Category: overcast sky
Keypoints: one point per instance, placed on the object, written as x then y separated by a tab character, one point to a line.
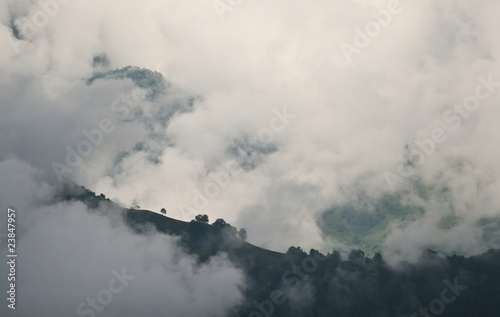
274	112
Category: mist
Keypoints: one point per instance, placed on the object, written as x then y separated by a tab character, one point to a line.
75	261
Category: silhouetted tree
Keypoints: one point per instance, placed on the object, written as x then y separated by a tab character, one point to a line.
357	256
219	223
295	254
201	218
316	254
242	234
378	259
135	205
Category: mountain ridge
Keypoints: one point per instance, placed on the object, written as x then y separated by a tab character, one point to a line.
311	284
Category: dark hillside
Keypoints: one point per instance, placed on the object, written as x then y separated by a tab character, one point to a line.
315	285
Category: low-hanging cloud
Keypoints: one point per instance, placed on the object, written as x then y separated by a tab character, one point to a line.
73	261
353	120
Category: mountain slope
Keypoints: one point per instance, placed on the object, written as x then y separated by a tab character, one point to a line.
311	284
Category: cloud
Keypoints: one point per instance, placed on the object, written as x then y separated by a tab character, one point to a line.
68	253
353	120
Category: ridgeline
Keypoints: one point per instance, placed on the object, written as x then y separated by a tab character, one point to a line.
300	284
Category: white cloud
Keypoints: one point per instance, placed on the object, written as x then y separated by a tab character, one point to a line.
67	253
352	123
